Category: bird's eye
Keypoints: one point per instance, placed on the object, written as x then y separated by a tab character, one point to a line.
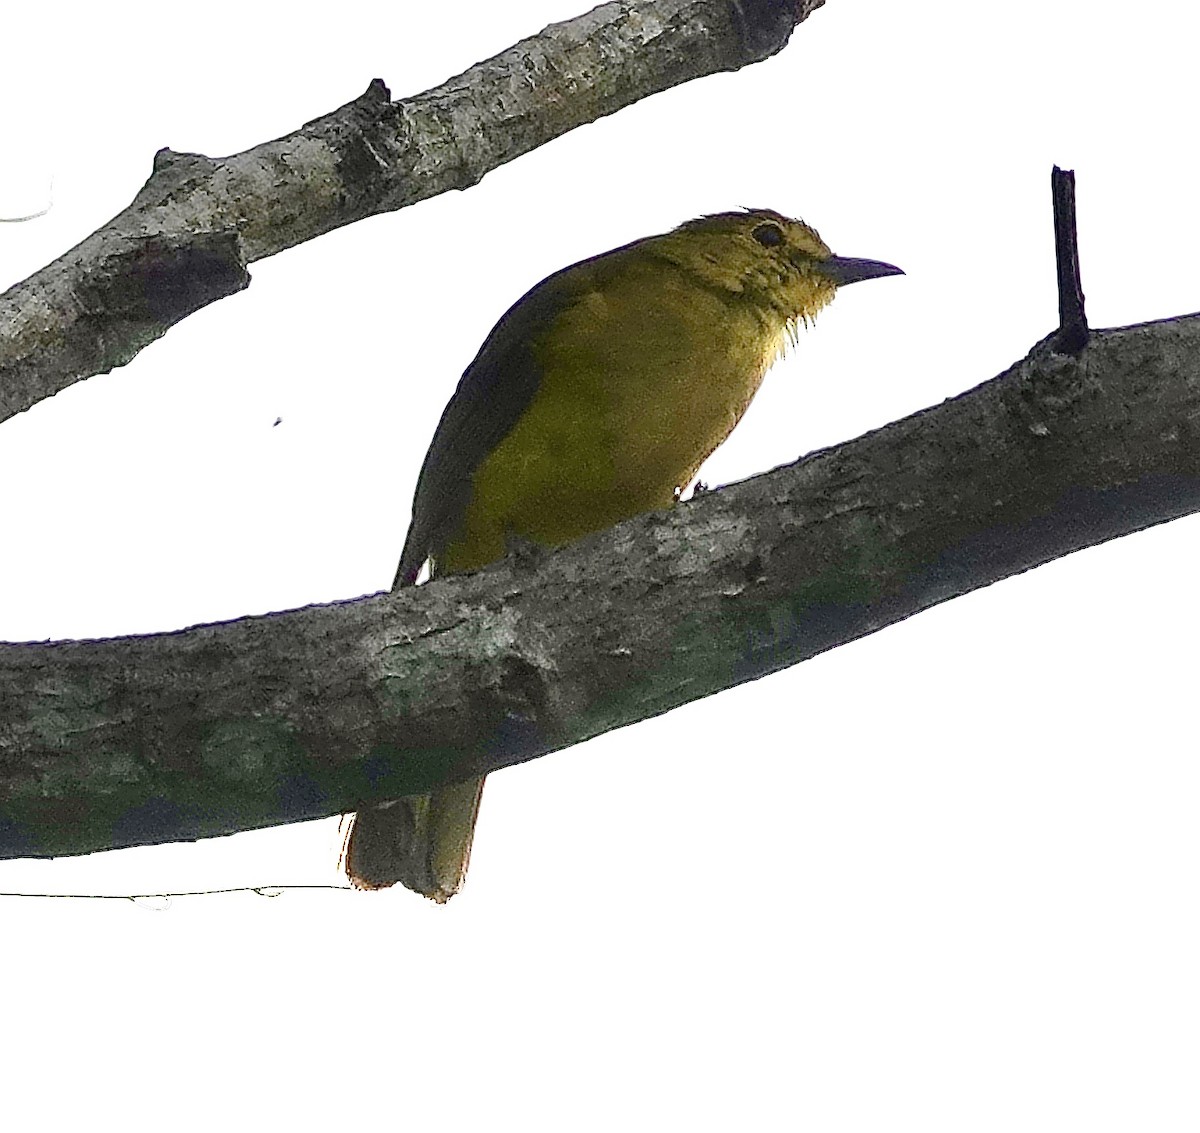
768	235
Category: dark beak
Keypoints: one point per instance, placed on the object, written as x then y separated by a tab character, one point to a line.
846	269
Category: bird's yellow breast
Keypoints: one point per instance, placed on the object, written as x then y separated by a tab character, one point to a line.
640	380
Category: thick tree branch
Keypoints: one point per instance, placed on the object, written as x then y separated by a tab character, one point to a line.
187	237
317	711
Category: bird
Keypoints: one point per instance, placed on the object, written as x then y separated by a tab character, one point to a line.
595	398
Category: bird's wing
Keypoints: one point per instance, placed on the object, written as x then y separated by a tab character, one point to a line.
495	389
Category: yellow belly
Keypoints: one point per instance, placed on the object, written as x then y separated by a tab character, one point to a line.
632	399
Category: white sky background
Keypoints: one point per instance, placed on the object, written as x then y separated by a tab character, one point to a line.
943	878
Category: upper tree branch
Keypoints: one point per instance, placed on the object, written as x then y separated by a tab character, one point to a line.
187	237
318	711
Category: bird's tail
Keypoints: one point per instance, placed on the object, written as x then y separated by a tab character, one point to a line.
422	841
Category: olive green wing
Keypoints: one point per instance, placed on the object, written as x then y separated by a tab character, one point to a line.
495	389
424	841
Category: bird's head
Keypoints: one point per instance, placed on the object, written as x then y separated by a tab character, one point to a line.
779	264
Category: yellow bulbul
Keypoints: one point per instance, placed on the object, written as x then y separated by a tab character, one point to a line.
596	397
